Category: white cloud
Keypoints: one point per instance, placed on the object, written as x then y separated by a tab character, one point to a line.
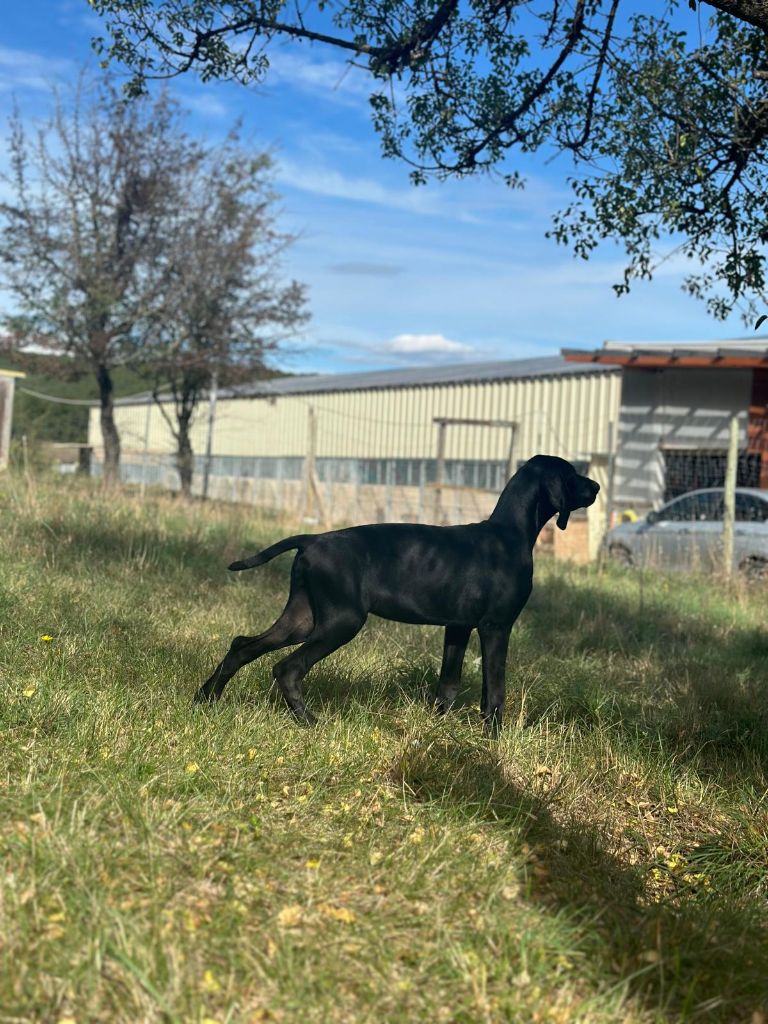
329	182
425	344
334	80
23	69
204	104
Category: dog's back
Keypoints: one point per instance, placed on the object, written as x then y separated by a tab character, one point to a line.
418	574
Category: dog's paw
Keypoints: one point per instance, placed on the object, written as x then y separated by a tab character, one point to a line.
305	717
203	696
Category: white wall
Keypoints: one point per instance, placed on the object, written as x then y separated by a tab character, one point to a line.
674	408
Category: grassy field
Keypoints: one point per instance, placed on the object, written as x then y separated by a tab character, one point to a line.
605	860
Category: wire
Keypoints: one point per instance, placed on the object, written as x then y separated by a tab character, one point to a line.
90	402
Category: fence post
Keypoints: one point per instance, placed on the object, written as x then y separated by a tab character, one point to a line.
212	396
511	453
6	416
439	471
312	483
145	452
611	475
729	501
388	474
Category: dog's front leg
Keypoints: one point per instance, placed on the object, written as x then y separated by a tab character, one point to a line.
454	646
494	642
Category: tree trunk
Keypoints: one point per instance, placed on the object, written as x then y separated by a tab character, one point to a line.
185	457
109	433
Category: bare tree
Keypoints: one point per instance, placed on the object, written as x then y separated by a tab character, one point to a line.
223	309
90	191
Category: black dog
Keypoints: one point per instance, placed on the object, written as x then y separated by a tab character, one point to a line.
462	577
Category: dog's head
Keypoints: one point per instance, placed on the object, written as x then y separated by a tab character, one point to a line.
562	488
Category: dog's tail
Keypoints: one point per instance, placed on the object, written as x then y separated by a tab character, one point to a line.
300	541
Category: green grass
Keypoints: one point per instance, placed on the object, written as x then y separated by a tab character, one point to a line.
605	860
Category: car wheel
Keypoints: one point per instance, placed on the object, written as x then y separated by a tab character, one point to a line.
754	569
619	555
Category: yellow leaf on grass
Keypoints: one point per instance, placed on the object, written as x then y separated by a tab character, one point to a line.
30	691
290	917
313	865
192	767
343	914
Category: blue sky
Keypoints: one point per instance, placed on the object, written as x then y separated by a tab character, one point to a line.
396	275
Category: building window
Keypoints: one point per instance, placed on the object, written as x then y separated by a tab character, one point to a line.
688	469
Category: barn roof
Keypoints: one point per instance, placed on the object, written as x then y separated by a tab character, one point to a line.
509	369
721	355
422	376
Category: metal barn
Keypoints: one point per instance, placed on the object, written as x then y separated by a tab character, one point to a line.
428	444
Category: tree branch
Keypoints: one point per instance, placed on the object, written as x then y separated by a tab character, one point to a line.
576	144
574	34
755	12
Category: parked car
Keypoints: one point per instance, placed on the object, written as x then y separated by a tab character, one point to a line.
687	533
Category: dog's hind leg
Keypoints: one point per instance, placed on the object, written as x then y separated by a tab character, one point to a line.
327	637
454	646
294	626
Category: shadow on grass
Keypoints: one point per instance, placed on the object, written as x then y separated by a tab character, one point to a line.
647	668
150	548
697	957
702	954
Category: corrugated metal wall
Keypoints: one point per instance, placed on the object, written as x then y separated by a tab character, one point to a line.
566	415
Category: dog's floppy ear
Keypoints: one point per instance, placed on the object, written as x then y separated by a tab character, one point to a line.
557	492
